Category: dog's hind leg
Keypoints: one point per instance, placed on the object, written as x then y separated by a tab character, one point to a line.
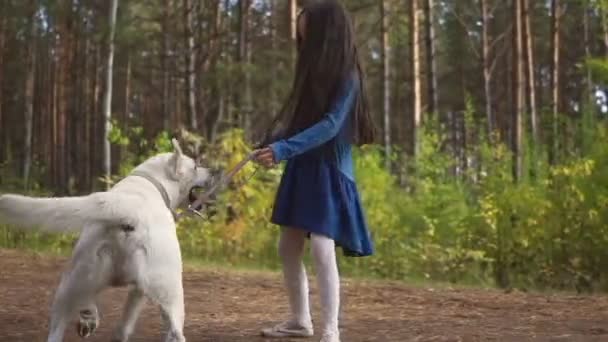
67	299
88	320
133	307
76	292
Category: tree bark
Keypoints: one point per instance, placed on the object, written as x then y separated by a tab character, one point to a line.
587	41
604	22
222	107
29	92
415	71
190	75
243	57
164	56
386	82
63	95
293	28
531	72
433	95
107	99
519	90
275	46
555	77
88	114
487	66
2	51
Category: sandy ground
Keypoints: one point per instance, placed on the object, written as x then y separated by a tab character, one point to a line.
233	306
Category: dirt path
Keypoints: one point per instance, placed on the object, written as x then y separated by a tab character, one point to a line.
230	306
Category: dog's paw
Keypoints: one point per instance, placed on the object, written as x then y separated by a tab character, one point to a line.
87	324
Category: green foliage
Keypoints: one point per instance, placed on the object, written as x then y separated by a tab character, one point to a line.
549	231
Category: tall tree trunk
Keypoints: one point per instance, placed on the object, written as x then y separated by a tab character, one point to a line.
97	126
126	110
530	71
164	61
29	92
415	71
107	99
88	98
431	64
604	21
63	95
2	51
293	27
243	60
190	74
519	90
228	60
213	125
386	82
555	81
274	46
248	108
487	65
587	42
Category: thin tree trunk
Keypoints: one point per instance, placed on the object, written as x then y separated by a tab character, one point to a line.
126	110
275	46
164	56
29	93
96	122
604	20
555	71
190	65
433	95
86	151
64	95
519	91
386	82
531	74
243	60
127	94
487	67
221	94
415	71
587	42
107	99
2	51
293	27
228	60
54	122
248	108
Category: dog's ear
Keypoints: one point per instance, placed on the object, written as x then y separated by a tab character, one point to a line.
176	159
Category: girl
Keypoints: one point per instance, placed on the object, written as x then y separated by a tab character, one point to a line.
317	198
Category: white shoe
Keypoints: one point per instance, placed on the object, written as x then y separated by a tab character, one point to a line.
289	329
331	337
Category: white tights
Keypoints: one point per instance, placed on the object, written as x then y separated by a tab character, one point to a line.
291	250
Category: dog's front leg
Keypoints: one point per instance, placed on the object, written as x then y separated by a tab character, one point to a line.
170	297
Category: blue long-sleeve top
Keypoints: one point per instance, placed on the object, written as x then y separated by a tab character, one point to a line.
331	126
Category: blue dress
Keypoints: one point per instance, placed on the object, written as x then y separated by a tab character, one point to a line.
318	192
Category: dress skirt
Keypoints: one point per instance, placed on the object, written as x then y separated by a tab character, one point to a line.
314	195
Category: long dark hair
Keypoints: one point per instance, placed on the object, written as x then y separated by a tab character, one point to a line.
327	60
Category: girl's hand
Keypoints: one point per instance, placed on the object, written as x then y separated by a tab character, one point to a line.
265	157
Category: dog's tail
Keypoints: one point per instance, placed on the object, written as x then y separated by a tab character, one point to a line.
62	214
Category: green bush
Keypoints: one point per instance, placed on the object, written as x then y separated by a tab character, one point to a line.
479	227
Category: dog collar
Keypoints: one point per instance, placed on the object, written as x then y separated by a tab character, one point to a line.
161	189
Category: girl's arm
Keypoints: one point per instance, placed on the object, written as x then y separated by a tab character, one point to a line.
321	132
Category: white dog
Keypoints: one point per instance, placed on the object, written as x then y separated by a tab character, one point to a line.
128	238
